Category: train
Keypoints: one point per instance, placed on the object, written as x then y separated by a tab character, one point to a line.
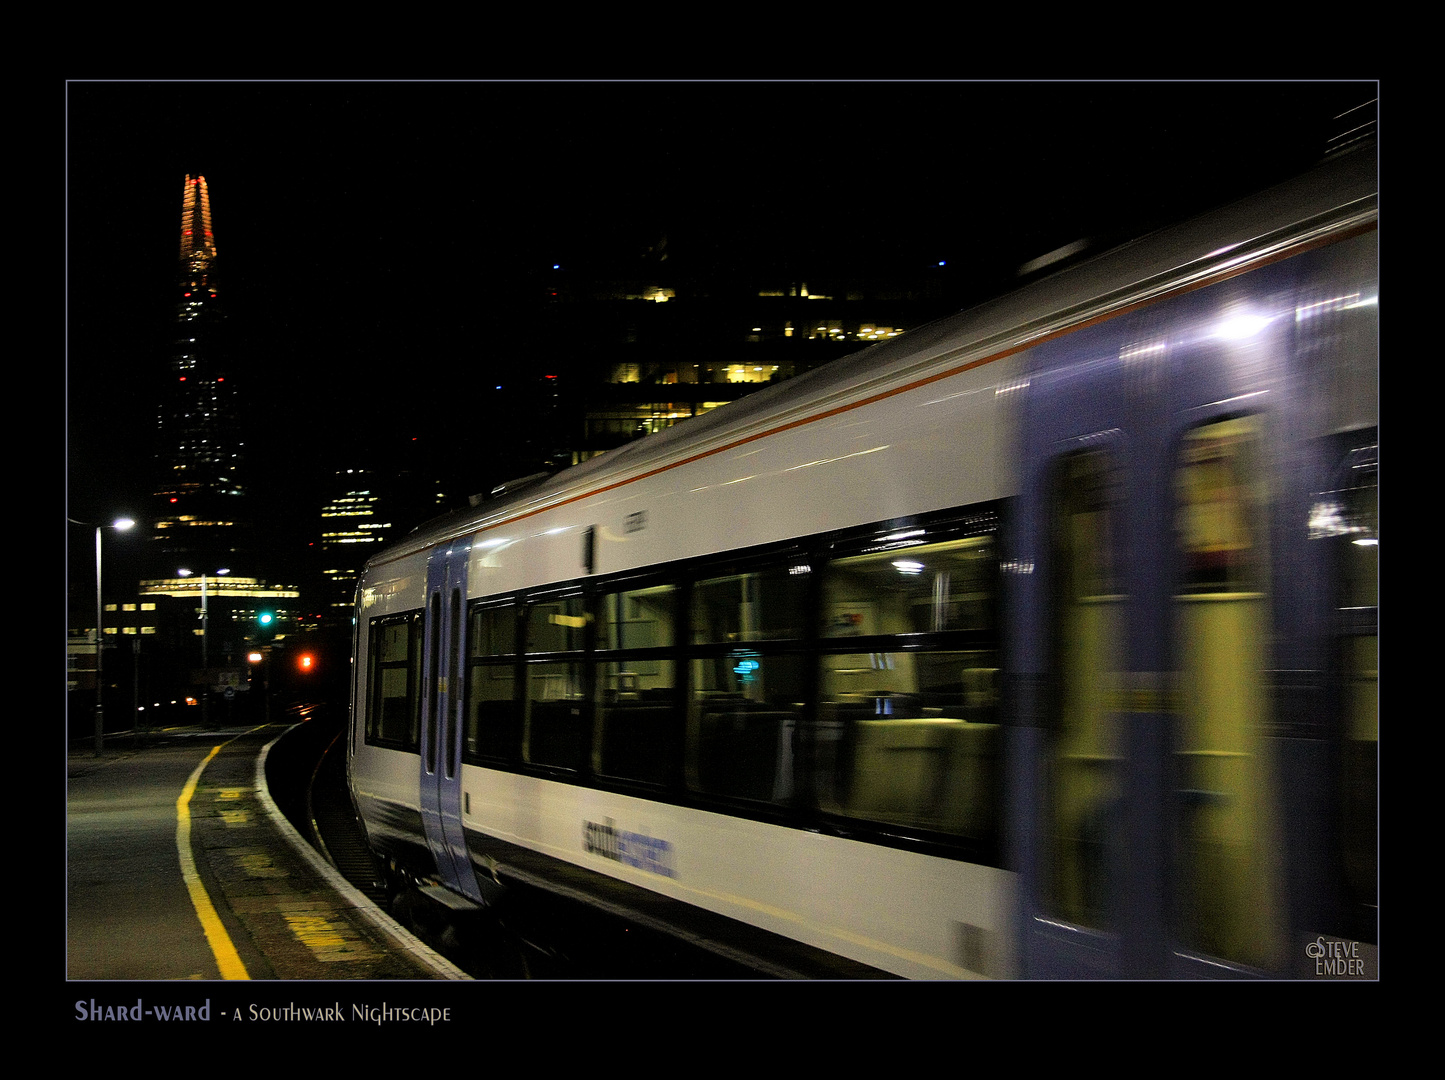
1039	642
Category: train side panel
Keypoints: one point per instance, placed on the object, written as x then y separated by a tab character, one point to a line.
883	907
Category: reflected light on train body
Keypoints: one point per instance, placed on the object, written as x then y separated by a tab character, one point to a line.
1242	326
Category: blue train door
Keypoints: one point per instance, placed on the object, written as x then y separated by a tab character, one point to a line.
1089	744
1238	616
1160	590
444	658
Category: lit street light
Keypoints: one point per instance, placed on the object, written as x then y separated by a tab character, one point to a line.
120	525
205	657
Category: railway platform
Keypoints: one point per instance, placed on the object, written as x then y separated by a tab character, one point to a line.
180	866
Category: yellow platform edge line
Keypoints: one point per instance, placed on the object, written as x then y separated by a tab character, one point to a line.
227	959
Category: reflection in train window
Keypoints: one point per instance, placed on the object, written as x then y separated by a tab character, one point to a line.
911	738
768	604
556	624
912	587
638	618
1226	778
907	723
394	715
742	723
494	630
748	683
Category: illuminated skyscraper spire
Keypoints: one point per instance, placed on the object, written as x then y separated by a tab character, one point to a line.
198	243
199	493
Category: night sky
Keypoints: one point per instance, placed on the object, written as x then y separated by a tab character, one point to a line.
381	230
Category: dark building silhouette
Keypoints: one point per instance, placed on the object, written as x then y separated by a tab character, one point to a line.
632	349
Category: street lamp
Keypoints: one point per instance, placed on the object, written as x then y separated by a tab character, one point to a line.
205	658
120	525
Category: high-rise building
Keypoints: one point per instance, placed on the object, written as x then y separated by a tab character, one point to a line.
200	496
354	527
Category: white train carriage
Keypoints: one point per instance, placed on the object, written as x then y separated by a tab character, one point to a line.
1037	642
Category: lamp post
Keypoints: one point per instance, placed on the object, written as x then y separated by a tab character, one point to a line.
120	525
205	657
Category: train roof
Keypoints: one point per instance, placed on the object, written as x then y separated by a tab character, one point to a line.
1333	200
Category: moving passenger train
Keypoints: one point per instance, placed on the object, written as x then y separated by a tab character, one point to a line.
1038	642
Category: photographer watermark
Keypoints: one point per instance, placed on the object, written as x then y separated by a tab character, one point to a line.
1339	958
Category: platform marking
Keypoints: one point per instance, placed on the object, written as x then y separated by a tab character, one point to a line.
330	942
227	959
233	819
313	931
327	941
258	864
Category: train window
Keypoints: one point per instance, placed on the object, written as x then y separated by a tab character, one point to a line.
769	604
493	630
910	586
454	664
907	722
556	721
1083	785
557	624
1228	827
636	717
393	716
749	679
433	678
494	714
1218	490
710	684
911	738
1349	516
639	618
743	716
